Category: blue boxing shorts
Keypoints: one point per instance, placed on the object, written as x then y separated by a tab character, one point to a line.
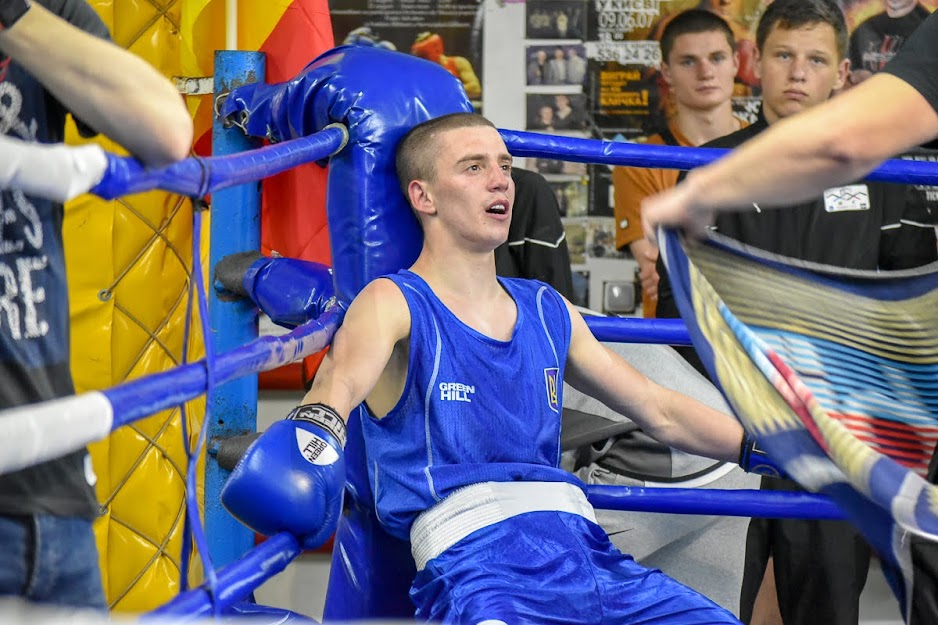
547	567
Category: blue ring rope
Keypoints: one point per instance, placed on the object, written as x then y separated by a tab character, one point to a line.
579	150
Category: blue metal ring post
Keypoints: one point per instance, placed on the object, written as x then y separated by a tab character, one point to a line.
235	227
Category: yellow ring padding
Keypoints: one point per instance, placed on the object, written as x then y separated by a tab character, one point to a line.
128	264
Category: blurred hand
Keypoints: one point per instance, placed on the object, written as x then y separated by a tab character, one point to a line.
675	207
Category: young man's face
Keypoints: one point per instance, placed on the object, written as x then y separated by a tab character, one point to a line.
899	8
700	70
799	68
472	191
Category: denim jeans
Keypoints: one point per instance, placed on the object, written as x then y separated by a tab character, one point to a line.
50	559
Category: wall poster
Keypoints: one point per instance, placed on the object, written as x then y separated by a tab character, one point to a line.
448	32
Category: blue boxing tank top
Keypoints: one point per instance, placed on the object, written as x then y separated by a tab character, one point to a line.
473	409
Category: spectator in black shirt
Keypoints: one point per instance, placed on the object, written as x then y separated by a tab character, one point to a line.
536	246
877	40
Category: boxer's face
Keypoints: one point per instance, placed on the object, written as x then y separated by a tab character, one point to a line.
799	68
471	192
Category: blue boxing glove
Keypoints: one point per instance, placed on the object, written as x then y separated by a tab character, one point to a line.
292	478
289	290
754	460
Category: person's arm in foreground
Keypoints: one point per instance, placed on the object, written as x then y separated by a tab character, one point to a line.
112	90
798	157
665	415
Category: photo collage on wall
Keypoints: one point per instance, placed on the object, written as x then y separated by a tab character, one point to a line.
557	75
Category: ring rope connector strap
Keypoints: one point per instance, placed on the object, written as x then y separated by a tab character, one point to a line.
323	416
230	121
199	203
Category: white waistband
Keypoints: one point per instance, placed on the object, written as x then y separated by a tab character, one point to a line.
480	505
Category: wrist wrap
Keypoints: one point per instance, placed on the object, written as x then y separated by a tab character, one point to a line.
324	416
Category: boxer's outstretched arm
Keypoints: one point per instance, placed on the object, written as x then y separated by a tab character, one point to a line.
376	321
665	415
292	477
